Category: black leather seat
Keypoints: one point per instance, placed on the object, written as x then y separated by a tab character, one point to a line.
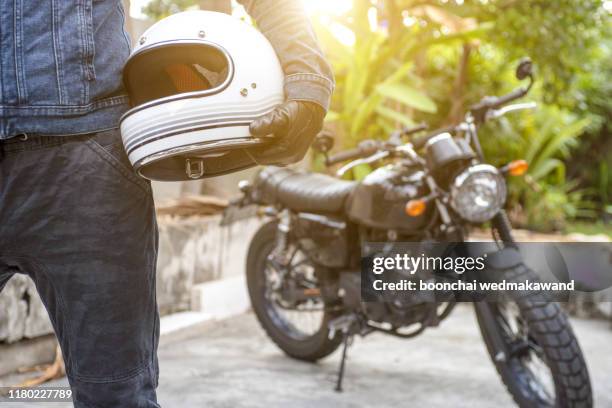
302	191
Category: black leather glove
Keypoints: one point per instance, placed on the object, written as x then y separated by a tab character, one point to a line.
291	128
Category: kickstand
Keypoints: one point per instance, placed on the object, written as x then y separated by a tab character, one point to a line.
349	325
346	341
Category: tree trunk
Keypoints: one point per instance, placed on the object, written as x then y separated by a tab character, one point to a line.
458	93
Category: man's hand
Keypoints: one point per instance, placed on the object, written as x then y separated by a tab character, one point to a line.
291	128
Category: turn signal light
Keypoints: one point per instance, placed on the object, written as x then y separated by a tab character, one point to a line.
518	167
414	208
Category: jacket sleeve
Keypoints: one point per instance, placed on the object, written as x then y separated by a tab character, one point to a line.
308	75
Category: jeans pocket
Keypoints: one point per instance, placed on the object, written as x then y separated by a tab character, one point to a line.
108	146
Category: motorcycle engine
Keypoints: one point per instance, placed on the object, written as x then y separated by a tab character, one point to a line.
396	308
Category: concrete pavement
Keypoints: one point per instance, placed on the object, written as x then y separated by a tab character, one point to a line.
231	363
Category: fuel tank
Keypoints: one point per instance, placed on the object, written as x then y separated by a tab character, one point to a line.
379	200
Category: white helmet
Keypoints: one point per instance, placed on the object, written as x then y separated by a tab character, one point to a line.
196	81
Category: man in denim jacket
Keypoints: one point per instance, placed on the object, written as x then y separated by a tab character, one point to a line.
73	214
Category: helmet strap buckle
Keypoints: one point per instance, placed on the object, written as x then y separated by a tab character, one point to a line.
194	168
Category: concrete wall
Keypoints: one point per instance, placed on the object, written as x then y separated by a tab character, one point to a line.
223	186
191	251
195	251
198	262
22	314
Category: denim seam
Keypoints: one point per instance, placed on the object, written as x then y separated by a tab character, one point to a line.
32	147
308	77
75	134
57	53
125	34
109	158
308	87
89	44
113	378
81	16
32	143
81	68
2	90
308	91
18	52
76	109
153	267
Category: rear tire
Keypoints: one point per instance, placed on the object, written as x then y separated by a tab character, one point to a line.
310	347
550	333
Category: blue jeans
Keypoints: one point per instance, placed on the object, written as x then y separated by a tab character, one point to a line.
76	218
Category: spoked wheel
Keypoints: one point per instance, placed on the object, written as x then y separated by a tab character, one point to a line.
534	350
299	319
286	299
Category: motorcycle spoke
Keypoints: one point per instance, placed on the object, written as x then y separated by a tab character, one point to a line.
525	356
301	318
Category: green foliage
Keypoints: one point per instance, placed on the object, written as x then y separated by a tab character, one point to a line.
158	9
373	90
429	60
558	35
545	138
446	55
591	228
552	205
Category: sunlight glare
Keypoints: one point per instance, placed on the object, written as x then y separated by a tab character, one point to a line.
333	7
342	33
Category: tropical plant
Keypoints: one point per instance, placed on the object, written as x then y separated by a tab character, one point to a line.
413	61
157	9
400	62
379	86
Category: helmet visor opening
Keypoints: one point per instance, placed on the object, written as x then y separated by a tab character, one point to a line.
176	68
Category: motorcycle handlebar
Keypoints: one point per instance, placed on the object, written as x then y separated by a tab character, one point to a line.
369	147
479	110
491	102
365	148
502	100
344	156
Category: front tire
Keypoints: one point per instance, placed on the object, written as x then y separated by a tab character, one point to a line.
306	346
525	330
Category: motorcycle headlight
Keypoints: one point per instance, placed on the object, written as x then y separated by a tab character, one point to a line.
478	193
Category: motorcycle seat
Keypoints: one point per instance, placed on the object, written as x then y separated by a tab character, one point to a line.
303	191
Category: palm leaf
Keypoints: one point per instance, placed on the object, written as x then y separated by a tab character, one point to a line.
394	115
567	137
545	130
543	169
408	96
363	113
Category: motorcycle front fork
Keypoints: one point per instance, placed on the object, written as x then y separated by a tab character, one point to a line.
503	228
281	254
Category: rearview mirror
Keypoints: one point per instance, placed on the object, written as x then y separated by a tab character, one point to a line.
323	143
524	69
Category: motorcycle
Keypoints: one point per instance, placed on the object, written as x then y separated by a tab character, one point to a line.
303	265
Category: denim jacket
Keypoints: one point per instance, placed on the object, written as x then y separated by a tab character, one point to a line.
61	62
